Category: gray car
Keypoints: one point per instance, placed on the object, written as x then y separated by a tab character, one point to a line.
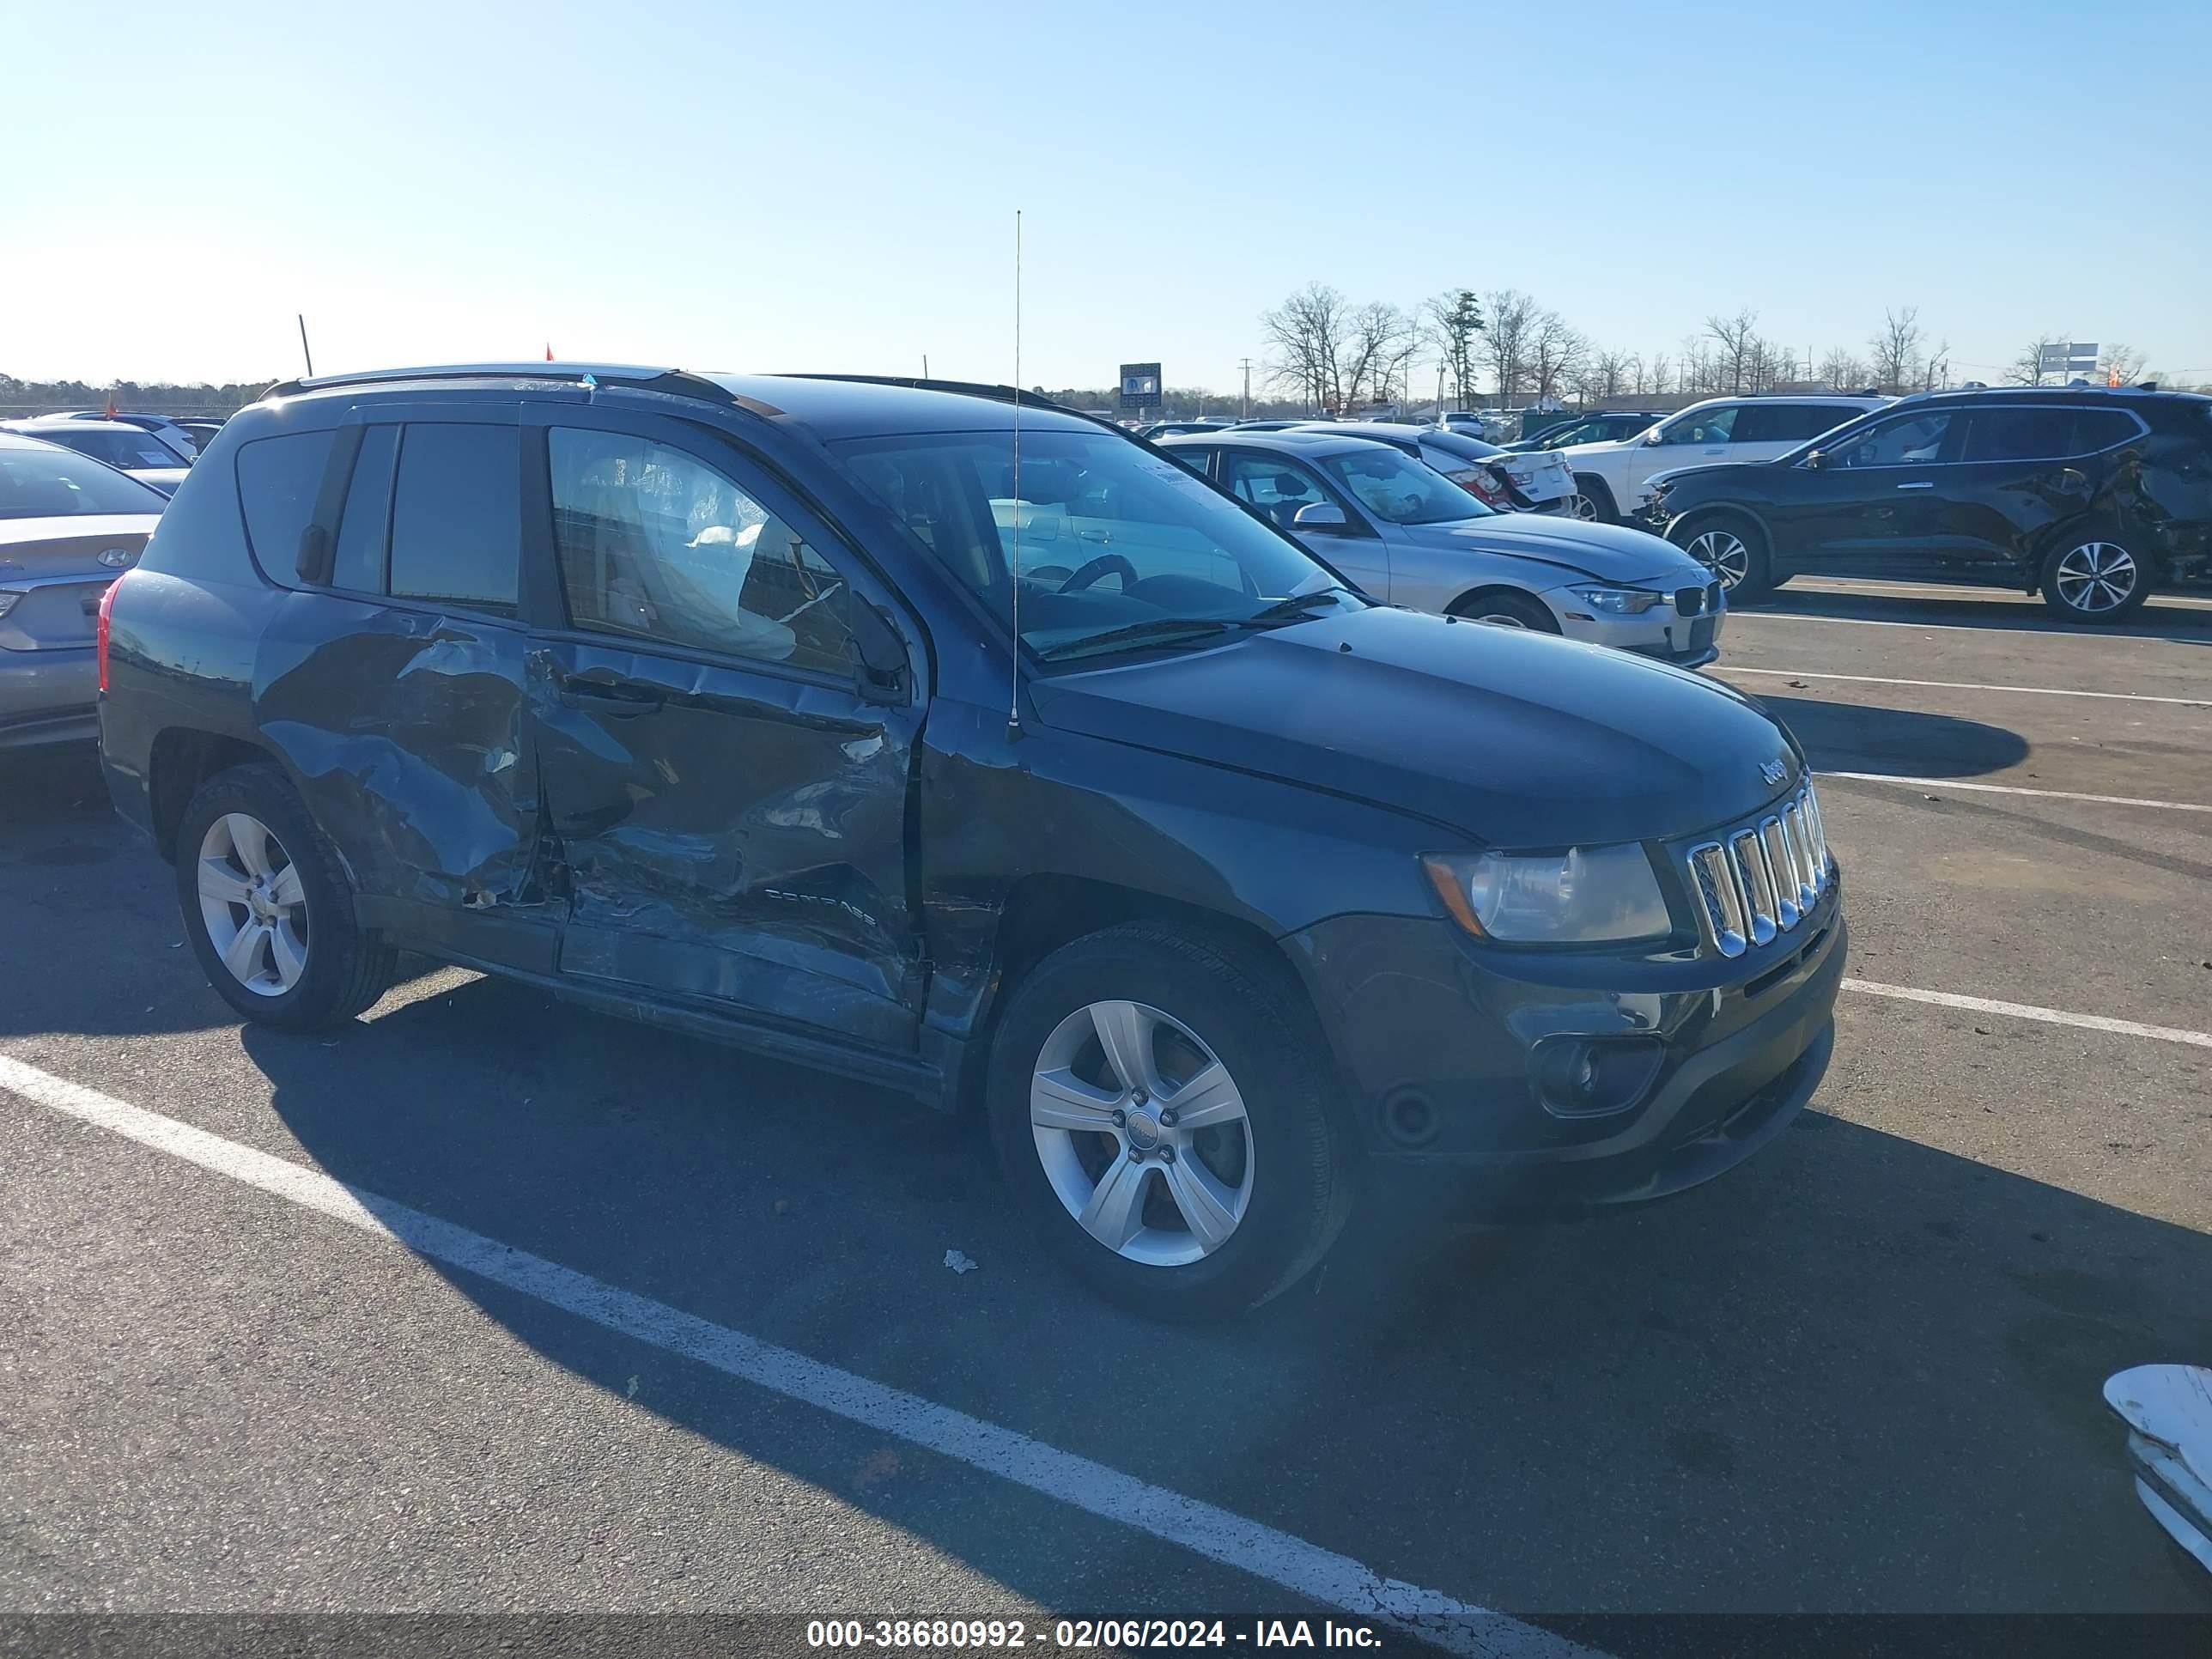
1406	534
69	526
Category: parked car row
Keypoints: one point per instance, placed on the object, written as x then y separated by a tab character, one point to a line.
1052	782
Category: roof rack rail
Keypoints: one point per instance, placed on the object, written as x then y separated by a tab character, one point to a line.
1003	394
676	382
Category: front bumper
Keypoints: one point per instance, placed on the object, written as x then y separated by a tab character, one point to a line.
1663	632
48	696
1421	1018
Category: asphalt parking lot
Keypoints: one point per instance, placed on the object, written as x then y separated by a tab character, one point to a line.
1861	1375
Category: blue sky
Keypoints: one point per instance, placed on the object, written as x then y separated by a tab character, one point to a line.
832	187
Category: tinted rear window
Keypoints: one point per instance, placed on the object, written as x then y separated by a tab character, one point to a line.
45	483
1787	423
278	480
457	515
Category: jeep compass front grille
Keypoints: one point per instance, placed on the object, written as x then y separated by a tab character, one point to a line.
1758	880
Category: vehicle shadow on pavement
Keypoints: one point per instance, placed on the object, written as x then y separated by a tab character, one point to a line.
2002	610
93	944
1852	737
1860	1373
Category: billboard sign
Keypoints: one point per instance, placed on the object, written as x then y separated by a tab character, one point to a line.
1140	385
2068	358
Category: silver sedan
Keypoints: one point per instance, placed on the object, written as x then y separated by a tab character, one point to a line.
1407	535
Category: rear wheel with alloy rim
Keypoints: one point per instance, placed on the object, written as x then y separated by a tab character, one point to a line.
1595	493
1580	505
1155	1104
2092	578
267	908
1733	549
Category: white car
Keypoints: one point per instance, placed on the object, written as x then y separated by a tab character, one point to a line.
146	456
1473	465
1613	480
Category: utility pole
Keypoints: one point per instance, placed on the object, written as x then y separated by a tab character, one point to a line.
1244	410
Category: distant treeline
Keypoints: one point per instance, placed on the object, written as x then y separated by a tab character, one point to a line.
41	396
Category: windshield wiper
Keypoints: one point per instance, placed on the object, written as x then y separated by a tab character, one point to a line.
1286	610
1156	630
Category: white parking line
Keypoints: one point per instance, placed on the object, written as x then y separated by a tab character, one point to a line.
1737	616
1963	685
1873	587
2028	1011
1929	785
1304	1569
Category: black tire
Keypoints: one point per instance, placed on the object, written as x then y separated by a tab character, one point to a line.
1696	534
2074	555
1503	608
1599	494
1252	1014
346	969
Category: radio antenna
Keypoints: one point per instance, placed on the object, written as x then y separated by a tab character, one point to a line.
1014	686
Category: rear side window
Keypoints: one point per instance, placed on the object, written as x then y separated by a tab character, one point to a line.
278	480
457	515
2044	434
364	530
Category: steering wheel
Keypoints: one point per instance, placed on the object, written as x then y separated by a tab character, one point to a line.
1097	568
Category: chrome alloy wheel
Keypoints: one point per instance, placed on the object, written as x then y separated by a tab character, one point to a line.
1722	552
254	905
1500	619
1581	507
1142	1133
2096	577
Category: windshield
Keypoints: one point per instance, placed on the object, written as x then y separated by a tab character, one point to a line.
1112	536
1398	489
58	483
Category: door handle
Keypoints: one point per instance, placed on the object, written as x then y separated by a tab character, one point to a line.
1930	485
623	701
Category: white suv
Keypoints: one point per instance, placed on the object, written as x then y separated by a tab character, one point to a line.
1614	480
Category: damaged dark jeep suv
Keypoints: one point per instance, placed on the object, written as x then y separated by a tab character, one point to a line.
1225	891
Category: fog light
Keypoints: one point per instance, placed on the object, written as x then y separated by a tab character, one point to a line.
1590	1076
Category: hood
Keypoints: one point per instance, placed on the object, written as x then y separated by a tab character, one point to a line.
1608	552
1518	739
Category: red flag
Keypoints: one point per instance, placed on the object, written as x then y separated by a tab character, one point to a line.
109	412
549	352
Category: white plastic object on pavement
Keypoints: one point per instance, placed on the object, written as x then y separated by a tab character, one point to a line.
2168	1412
959	1263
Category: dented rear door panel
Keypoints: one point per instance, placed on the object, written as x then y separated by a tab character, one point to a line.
408	734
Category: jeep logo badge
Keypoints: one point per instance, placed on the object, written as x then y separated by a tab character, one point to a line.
1773	771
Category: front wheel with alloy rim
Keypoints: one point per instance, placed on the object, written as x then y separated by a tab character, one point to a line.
267	908
2093	578
1502	609
1155	1104
1733	549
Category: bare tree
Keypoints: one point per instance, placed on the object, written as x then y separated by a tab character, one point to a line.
1506	339
1555	351
1896	349
1698	373
1842	372
2028	368
1307	335
2124	361
1454	319
1379	331
1936	372
1734	341
1611	372
1656	375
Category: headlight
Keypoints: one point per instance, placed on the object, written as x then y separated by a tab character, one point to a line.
1585	896
1619	601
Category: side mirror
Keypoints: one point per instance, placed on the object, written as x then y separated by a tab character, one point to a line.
1654	437
880	652
1817	458
1320	515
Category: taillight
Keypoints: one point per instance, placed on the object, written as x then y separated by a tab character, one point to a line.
100	634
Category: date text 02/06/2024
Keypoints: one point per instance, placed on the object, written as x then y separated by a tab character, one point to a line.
1077	1633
